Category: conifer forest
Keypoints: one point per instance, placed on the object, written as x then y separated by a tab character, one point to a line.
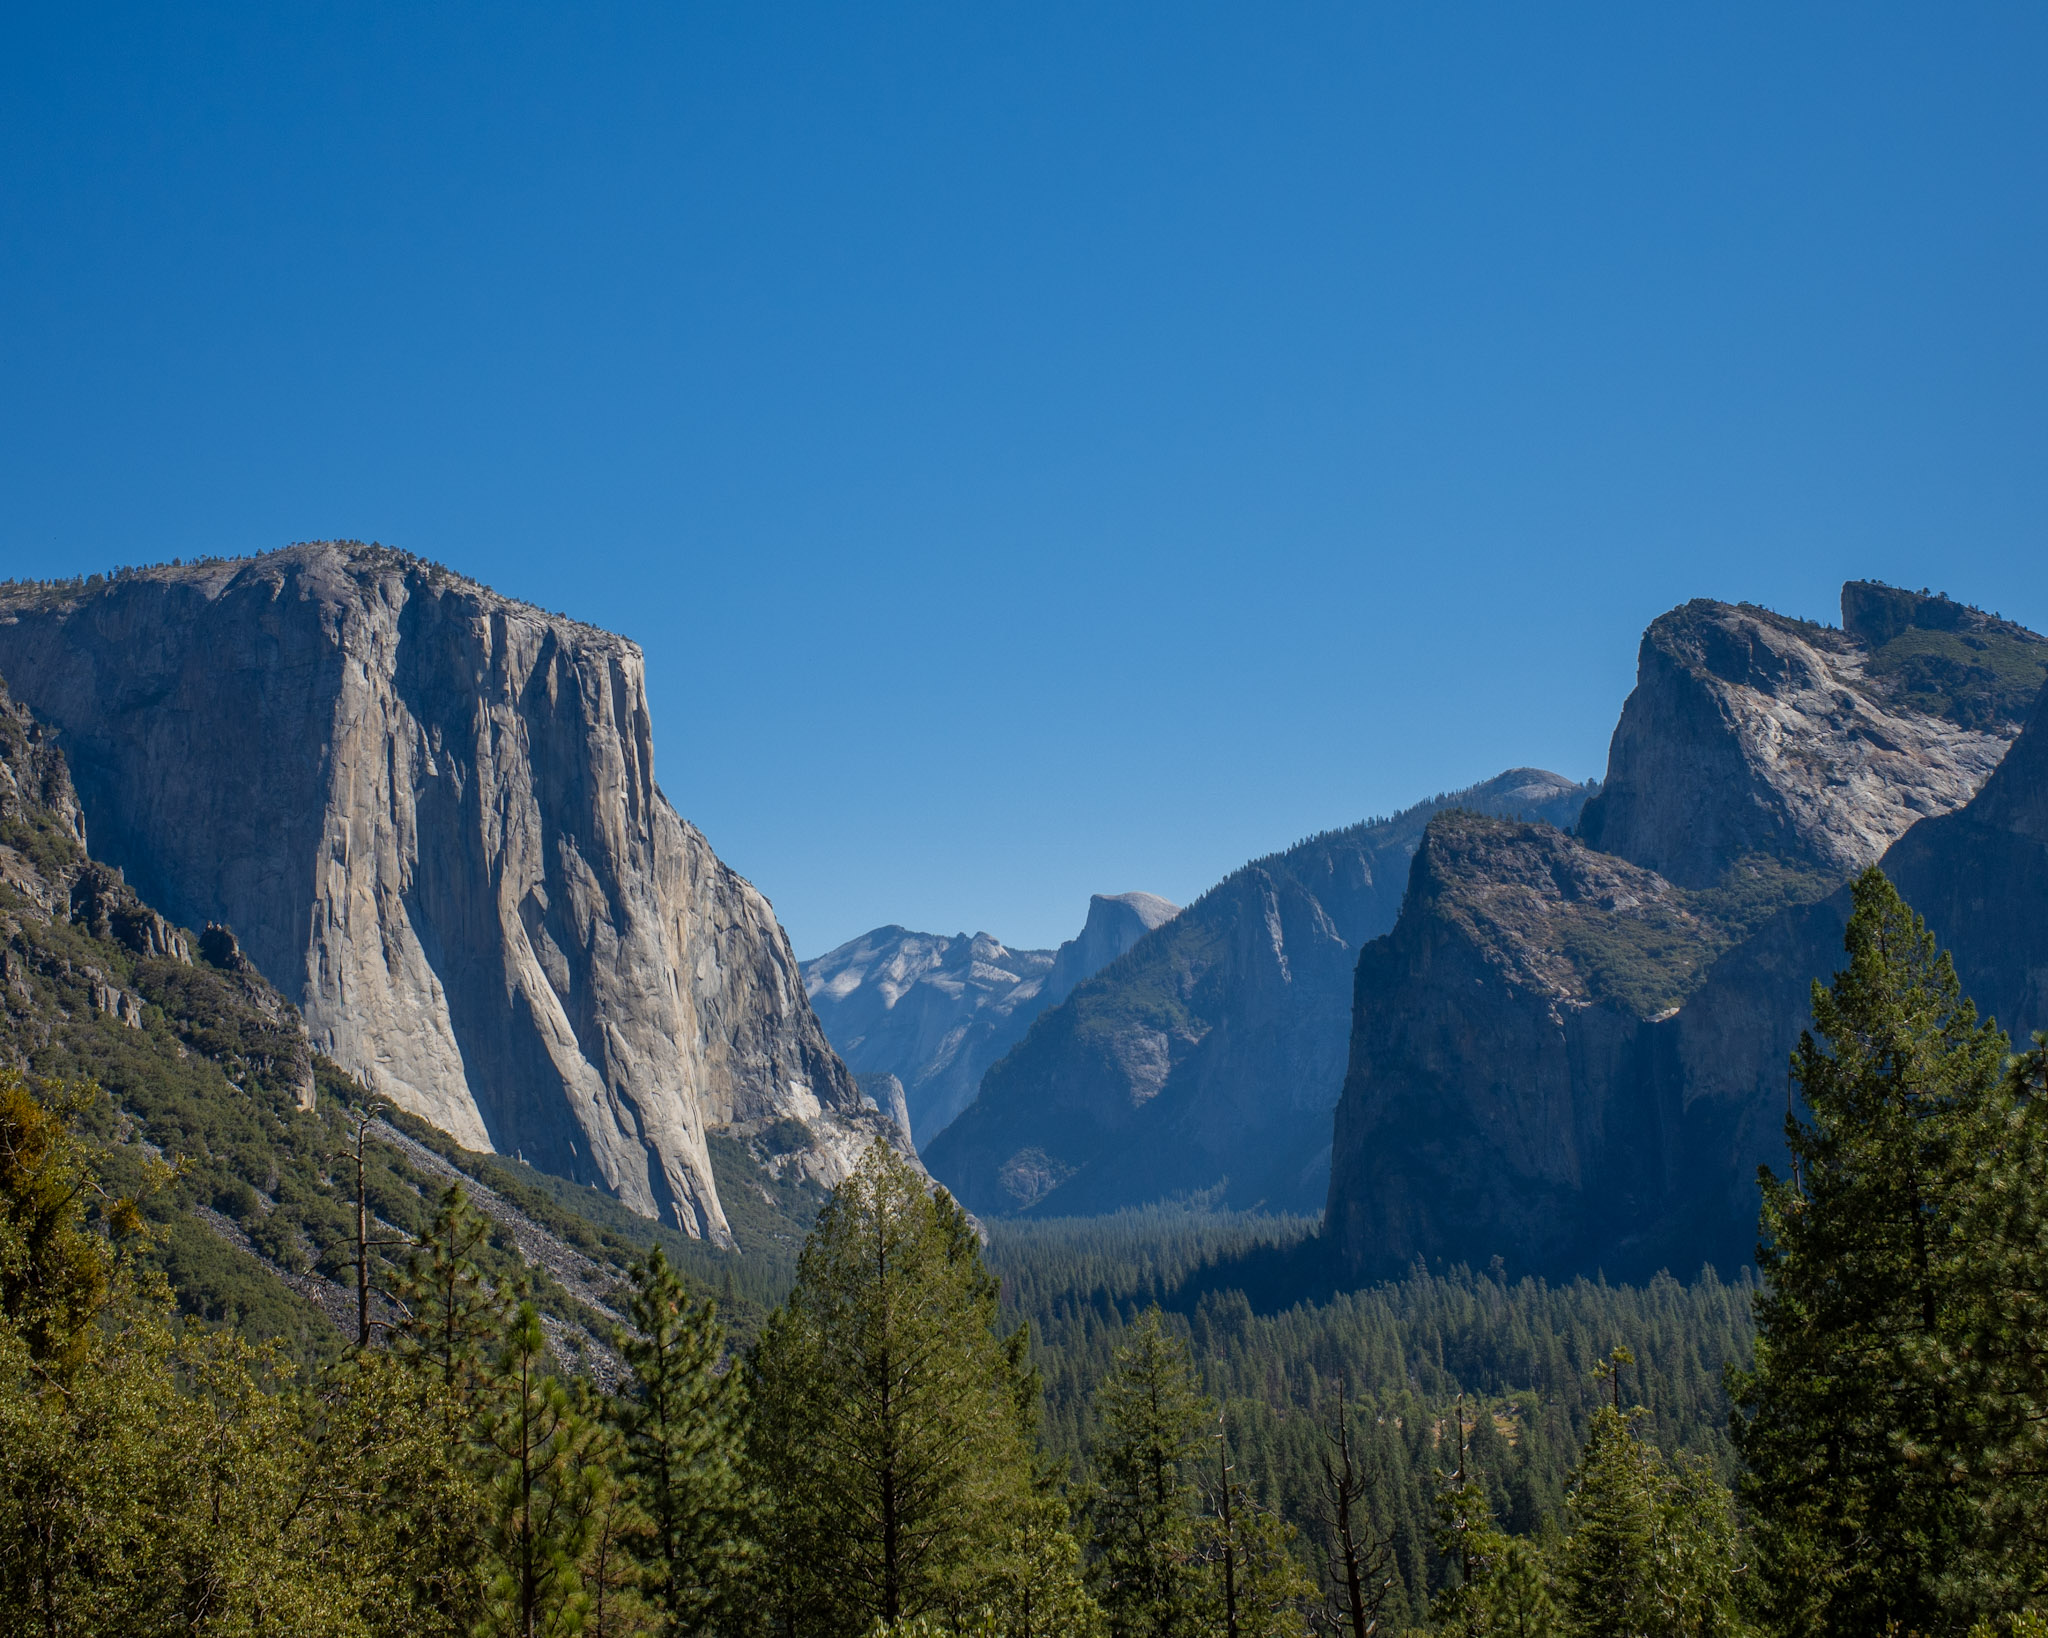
1161	1424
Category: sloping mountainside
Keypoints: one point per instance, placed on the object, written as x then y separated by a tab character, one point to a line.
218	1113
935	1012
1570	1051
1209	1057
430	815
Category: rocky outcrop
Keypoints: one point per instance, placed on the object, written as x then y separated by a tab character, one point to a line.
429	813
935	1012
1571	1052
1209	1057
1116	921
1503	1035
1749	733
885	1092
77	945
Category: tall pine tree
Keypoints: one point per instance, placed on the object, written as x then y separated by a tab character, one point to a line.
1859	1521
1151	1415
892	1433
680	1413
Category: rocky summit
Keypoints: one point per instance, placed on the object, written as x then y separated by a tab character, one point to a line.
1569	1052
429	815
935	1012
1208	1058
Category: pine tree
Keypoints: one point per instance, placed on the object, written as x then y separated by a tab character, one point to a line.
1608	1566
1997	1379
1699	1570
429	1489
1497	1584
1151	1414
1256	1586
1036	1588
891	1434
1859	1522
680	1414
452	1318
551	1486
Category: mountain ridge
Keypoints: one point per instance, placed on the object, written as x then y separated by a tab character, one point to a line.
1587	1077
1210	1053
429	811
969	999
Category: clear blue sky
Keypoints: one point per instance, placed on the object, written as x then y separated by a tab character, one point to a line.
1046	448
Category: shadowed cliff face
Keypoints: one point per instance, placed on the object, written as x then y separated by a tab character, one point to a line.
935	1012
1212	1053
430	815
1489	1108
1571	1052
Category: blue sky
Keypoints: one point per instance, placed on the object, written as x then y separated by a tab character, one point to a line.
1046	448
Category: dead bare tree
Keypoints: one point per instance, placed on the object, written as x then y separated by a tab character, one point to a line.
1361	1564
364	1244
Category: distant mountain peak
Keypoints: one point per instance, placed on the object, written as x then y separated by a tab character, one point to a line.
934	1011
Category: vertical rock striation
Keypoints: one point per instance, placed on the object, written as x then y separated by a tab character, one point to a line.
429	813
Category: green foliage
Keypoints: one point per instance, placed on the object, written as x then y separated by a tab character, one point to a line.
1150	1414
1994	1380
554	1479
1979	679
1608	1565
680	1414
55	1273
891	1440
1866	1259
1279	1348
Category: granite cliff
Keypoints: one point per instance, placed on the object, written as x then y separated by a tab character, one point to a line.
1570	1051
935	1012
1209	1057
429	814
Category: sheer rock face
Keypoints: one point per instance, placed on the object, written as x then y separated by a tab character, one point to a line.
1208	1057
430	815
1575	1059
935	1012
1487	1110
1749	733
1116	921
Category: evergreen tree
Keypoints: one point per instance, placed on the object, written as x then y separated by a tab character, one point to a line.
1036	1588
1997	1377
892	1437
1699	1563
1608	1564
452	1318
433	1494
1151	1414
680	1414
1859	1523
552	1486
1496	1583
